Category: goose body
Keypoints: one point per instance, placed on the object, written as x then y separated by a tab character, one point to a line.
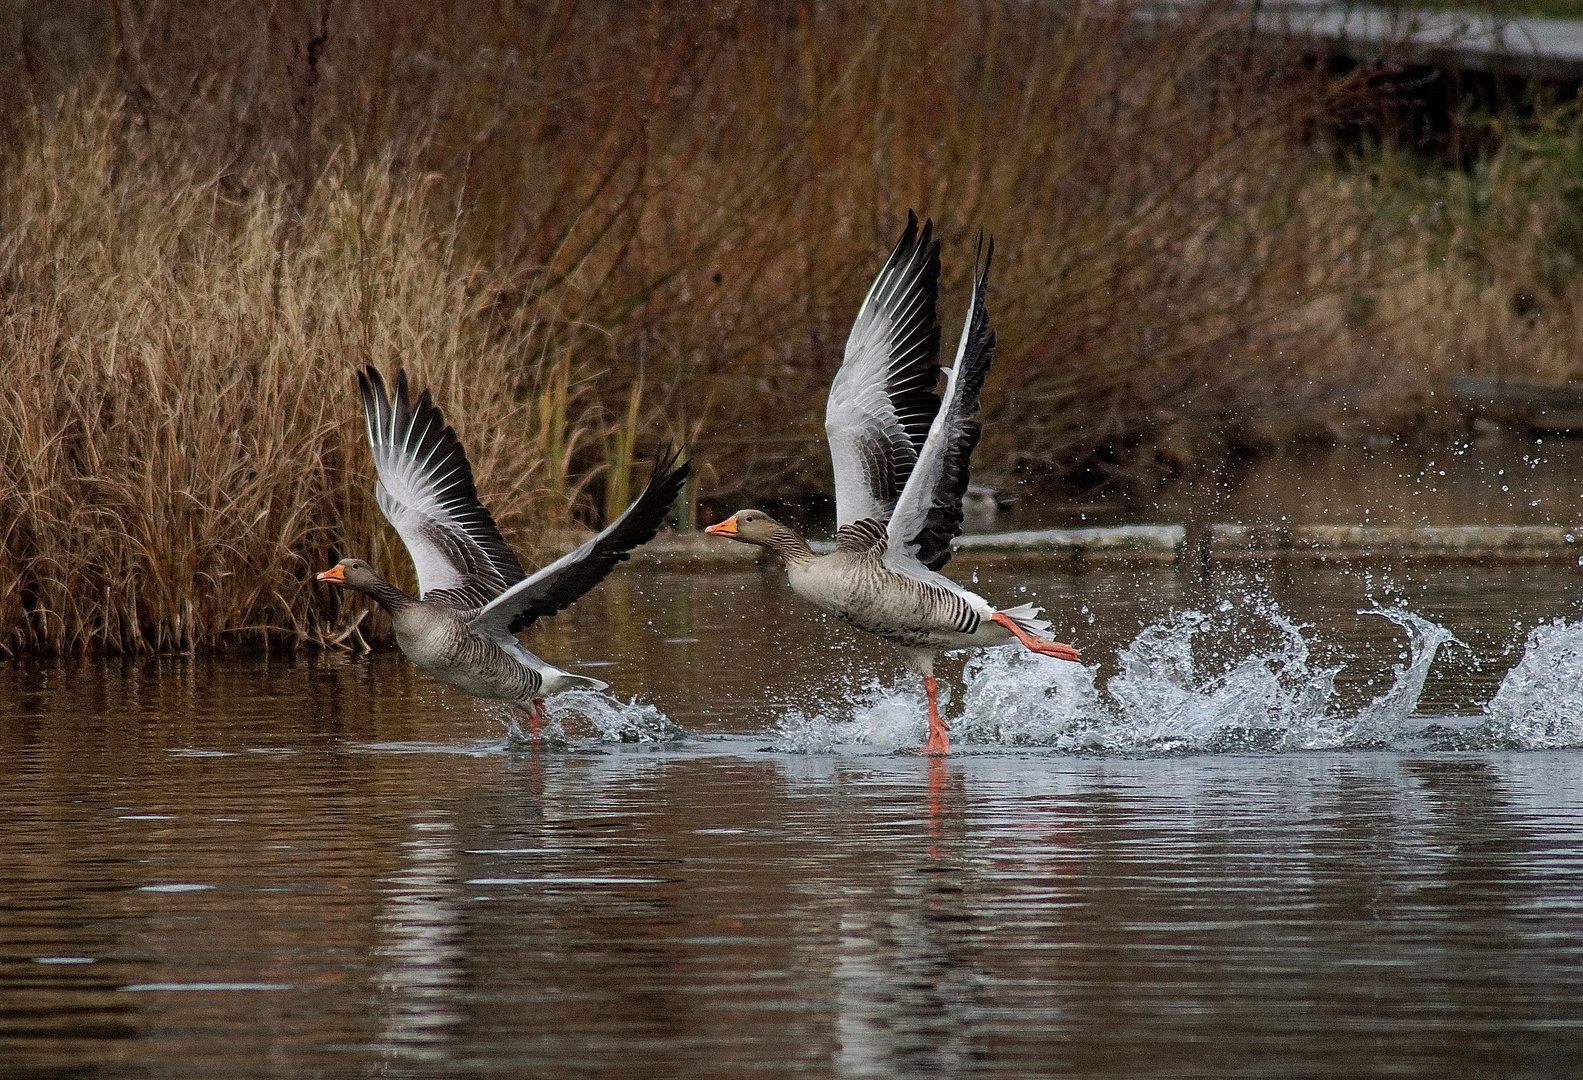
907	613
441	642
473	593
860	590
900	456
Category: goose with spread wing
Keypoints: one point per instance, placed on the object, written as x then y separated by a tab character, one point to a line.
473	593
900	455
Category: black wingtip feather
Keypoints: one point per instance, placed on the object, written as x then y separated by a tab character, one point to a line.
636	526
915	343
376	399
944	521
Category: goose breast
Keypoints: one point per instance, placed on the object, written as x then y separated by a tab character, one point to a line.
441	644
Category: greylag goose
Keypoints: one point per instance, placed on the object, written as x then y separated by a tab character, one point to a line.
473	593
900	456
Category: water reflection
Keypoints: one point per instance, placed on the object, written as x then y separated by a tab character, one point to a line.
388	890
906	991
419	953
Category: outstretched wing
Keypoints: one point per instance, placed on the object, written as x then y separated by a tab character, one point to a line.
928	514
426	492
569	577
882	400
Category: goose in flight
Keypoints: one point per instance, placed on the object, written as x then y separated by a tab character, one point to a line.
473	595
900	455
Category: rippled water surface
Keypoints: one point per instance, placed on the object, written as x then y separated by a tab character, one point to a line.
1288	821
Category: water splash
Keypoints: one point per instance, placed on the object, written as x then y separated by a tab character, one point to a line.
1539	705
1381	722
882	720
1242	678
1013	698
1269	698
612	720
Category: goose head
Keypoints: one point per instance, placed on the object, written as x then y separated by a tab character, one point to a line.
353	574
757	527
750	527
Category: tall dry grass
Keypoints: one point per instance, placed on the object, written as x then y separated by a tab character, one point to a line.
592	228
180	441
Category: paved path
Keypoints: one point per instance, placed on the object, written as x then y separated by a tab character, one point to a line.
1528	47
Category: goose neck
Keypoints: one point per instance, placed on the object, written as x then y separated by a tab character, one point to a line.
388	596
791	547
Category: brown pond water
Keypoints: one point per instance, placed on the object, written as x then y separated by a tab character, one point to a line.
1262	836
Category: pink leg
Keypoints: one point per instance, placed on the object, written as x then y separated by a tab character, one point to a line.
938	743
535	714
1057	649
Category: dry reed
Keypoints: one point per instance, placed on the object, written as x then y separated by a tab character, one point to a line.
181	447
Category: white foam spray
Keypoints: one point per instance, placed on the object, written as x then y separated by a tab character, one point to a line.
1241	678
612	720
1539	705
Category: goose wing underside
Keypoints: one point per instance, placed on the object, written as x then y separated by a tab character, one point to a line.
426	492
882	399
928	514
561	582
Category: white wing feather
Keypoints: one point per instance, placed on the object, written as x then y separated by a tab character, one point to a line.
426	492
882	396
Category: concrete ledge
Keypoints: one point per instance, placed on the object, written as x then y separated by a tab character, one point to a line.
1515	543
1119	542
1164	543
1530	48
1160	543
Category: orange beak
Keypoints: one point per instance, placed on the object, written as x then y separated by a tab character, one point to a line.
335	575
728	527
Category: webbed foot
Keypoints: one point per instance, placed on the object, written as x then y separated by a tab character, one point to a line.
1057	649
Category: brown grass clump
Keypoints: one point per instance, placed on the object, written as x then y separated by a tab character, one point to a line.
592	228
179	440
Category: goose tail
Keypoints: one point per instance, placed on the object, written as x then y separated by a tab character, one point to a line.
581	682
1027	617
